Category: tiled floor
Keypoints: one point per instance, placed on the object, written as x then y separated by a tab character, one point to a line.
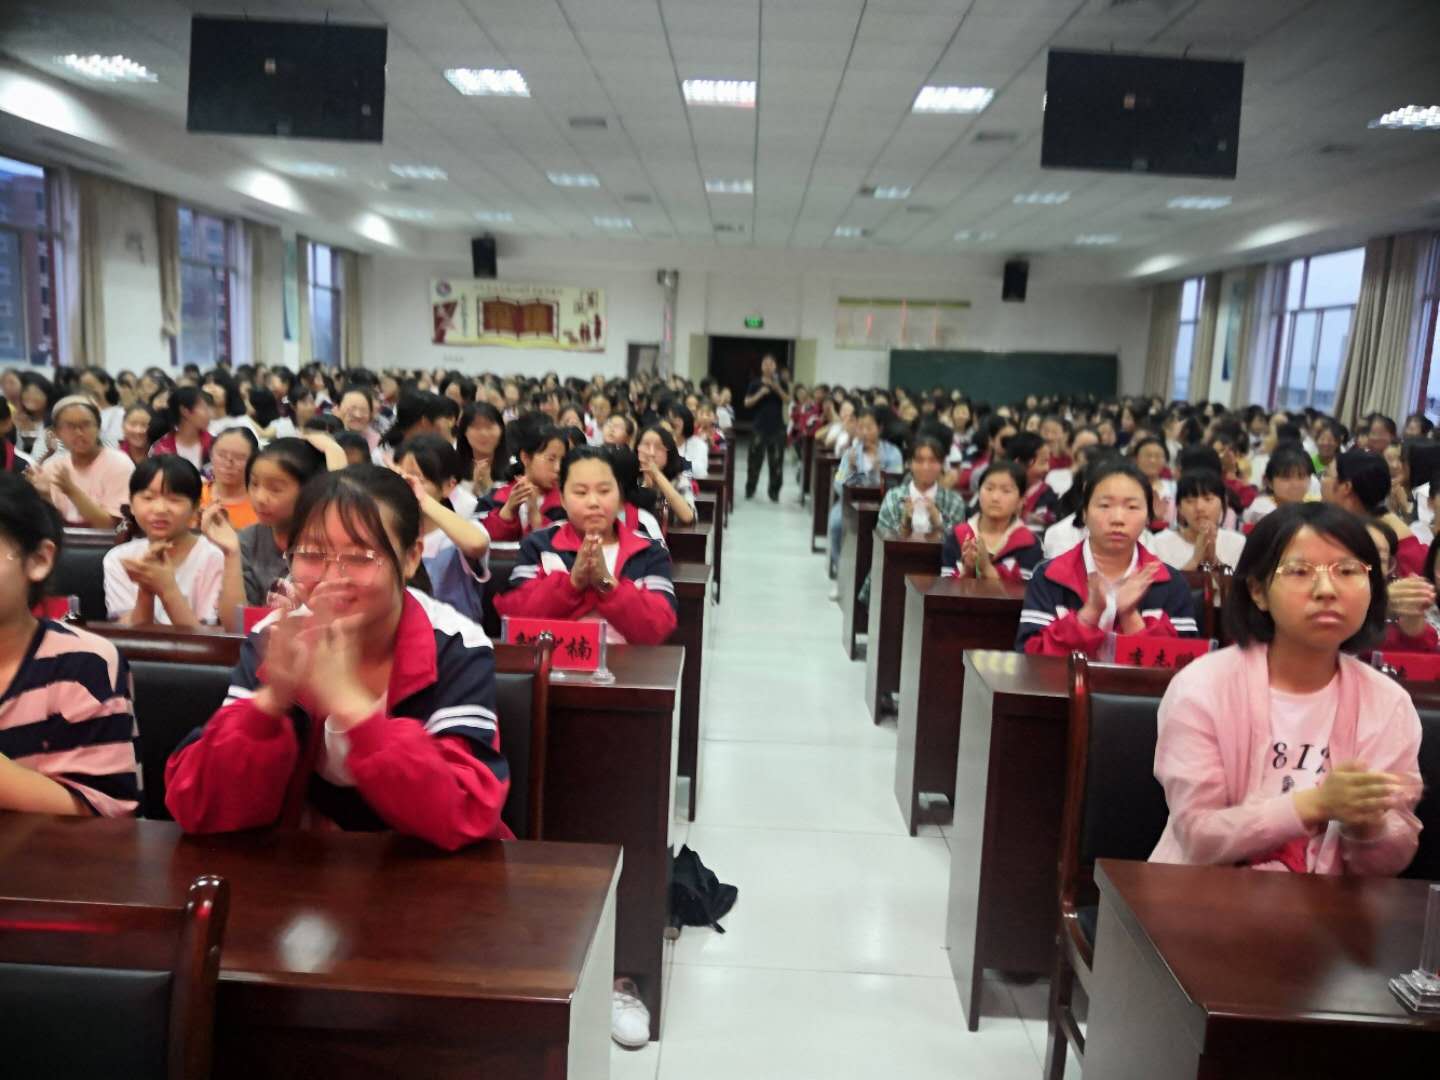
833	964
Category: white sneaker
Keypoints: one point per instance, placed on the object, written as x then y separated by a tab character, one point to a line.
629	1018
835	590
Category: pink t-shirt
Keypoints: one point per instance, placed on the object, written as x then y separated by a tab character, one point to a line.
106	481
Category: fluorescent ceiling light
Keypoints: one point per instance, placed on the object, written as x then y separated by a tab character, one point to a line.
1414	117
406	213
1199	202
488	82
564	179
849	232
1097	239
420	172
495	217
613	223
316	169
972	234
108	68
734	93
1042	198
893	192
730	187
952	99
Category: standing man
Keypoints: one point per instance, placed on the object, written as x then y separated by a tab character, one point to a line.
767	397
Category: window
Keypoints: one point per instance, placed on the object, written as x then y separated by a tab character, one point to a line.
27	265
1192	294
206	263
1430	352
326	296
1320	296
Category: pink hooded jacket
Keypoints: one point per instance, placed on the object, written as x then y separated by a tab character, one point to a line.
1214	733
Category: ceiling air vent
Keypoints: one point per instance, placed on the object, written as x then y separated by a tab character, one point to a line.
996	137
728	227
588	123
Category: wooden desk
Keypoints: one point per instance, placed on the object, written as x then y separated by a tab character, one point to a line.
822	484
689	543
706	504
1225	972
607	778
1009	786
894	556
943	618
692	583
807	458
366	954
861	511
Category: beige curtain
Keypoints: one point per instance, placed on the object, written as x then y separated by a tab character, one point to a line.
351	350
1205	329
267	293
1382	330
1164	330
302	280
82	249
1256	344
167	247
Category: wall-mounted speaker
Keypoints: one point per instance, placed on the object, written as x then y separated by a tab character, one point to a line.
482	257
1017	276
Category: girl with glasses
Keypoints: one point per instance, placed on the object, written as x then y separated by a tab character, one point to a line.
381	699
230	456
88	485
1284	751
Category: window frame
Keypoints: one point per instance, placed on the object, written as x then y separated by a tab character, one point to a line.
1285	321
334	297
47	245
222	285
1430	313
1194	323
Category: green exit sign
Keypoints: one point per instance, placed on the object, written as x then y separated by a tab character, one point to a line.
754	322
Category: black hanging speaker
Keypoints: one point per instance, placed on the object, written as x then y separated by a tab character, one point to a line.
482	257
1017	275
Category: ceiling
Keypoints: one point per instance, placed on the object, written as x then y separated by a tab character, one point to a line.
836	79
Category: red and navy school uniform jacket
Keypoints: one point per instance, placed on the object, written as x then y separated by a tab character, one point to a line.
1040	502
641	608
1049	615
1242	491
552	508
1396	640
1410	557
426	764
966	480
1015	561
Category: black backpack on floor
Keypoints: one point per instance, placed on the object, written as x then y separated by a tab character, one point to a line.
697	896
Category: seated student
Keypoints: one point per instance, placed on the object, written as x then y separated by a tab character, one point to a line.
183	427
532	497
865	461
1414	624
1418	466
67	727
88	485
1055	430
480	442
600	409
169	576
995	543
230	456
918	505
619	430
591	566
385	697
1281	752
1028	450
1230	442
1109	583
707	428
1289	472
1152	457
1359	481
1198	539
988	445
663	469
693	447
431	465
357	449
1060	480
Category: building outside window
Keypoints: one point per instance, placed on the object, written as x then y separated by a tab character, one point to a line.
206	263
28	308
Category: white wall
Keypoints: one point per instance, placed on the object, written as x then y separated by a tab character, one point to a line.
131	281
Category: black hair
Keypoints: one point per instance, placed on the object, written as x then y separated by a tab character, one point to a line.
466	385
265	406
353	440
674	463
1424	421
988	428
1368	476
1023	447
436	458
415	407
356	494
1289	459
295	457
478	410
182	399
1150	440
1246	623
46	387
285	375
1198	457
928	439
1107	467
1391	543
357	388
325	423
1286	432
1011	468
27	520
1197	483
1422	460
590	453
242	431
1384	421
112	393
178	476
531	436
681	411
234	403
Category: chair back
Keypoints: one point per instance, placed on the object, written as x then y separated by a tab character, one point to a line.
80	571
1426	864
1114	807
173	697
502	562
522	691
144	976
1209	589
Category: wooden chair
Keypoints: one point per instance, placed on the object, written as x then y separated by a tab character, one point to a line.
1209	589
522	678
1114	808
143	977
1426	864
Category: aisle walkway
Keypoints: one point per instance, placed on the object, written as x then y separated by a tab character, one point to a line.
833	964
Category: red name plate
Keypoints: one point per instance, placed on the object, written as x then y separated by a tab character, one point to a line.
577	642
250	615
56	608
1142	650
1414	666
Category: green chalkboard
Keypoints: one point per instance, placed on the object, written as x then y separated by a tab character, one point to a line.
999	377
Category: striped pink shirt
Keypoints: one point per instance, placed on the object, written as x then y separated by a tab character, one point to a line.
68	715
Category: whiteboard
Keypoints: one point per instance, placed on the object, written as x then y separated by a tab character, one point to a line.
866	323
